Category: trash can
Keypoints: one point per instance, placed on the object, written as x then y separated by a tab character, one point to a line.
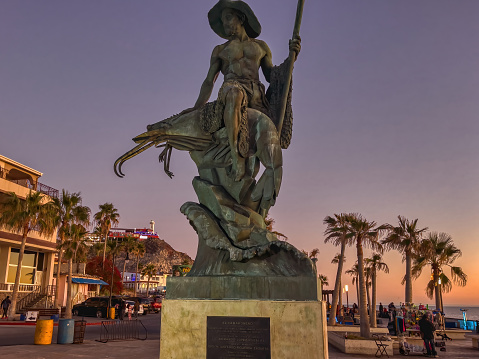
112	313
43	332
55	317
79	331
66	328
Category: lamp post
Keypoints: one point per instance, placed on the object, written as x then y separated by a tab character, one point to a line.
347	297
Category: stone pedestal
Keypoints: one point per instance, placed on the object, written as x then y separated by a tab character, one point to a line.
297	328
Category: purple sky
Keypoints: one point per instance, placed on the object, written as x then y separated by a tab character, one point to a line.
385	104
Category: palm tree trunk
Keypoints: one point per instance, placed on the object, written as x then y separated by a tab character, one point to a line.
337	287
372	307
123	273
136	273
148	287
357	289
340	299
104	250
408	278
365	330
437	290
368	295
68	309
13	305
57	281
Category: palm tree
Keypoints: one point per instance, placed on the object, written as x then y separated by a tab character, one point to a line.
375	264
405	238
113	248
363	233
149	270
336	260
269	226
367	279
439	251
139	251
354	272
336	232
324	280
128	246
106	217
35	212
74	235
68	210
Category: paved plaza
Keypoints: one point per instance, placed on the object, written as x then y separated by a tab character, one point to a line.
148	349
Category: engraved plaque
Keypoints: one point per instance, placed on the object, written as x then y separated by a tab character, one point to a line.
238	338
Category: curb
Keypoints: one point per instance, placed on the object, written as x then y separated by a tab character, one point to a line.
16	323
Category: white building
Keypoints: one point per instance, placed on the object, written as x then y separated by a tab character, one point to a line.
157	282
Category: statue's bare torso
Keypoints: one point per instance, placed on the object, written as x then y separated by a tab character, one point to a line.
241	59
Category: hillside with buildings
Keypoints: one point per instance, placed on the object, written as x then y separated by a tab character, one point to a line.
159	253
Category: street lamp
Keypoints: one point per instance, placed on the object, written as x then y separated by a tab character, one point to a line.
347	297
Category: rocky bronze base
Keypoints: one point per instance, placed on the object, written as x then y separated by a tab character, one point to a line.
232	287
264	256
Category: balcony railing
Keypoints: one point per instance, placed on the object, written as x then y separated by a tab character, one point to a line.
39	187
5	287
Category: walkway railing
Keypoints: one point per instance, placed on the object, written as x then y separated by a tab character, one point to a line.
122	330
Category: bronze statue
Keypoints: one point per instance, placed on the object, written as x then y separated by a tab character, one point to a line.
229	139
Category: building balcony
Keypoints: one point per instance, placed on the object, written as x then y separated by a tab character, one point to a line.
28	183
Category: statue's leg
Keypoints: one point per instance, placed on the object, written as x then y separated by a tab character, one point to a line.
232	117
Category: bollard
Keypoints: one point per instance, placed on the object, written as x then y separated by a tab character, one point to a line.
112	313
43	332
66	329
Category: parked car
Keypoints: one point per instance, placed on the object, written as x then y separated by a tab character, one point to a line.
131	303
95	307
143	301
156	304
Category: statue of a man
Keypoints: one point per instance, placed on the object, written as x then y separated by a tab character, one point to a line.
239	59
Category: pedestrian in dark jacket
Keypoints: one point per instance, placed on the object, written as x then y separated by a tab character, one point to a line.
427	329
5	305
136	308
121	314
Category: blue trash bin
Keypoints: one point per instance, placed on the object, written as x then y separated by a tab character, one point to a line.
66	329
22	317
55	317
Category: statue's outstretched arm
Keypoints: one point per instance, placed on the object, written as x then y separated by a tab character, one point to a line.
209	82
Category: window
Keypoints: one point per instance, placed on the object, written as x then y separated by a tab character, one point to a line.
29	266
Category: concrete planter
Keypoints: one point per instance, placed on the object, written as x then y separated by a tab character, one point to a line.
355	329
356	346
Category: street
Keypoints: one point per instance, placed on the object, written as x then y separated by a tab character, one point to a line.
24	335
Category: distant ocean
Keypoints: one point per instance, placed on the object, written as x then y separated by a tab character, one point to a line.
455	312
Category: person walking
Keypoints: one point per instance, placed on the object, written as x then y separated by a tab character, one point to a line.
427	329
5	305
136	308
129	311
121	314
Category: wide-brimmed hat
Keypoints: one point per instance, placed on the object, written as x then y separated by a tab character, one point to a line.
251	25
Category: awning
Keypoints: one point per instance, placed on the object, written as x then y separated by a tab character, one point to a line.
88	281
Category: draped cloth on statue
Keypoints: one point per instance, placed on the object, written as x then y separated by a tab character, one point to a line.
211	114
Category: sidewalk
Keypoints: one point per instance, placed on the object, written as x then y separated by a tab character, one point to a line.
148	349
17	321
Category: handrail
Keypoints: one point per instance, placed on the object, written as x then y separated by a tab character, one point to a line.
33	297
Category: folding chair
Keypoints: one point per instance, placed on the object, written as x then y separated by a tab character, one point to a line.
381	347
